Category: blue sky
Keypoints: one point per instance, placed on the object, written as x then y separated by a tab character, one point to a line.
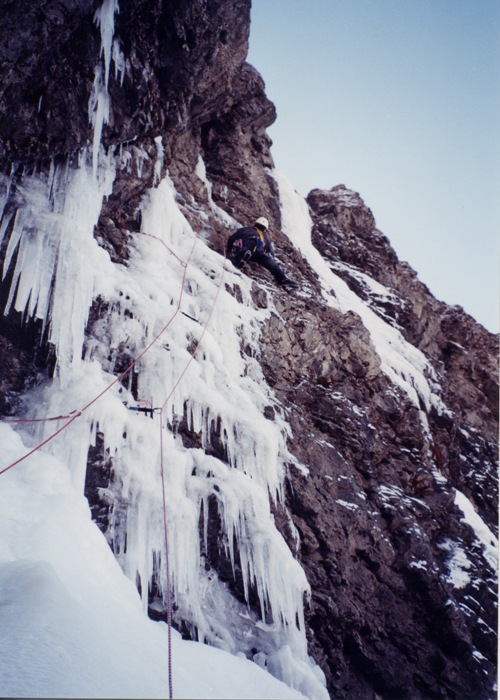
400	101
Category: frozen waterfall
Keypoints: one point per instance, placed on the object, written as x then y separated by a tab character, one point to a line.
175	296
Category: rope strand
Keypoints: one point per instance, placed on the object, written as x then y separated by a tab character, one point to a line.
167	563
117	379
163	244
199	340
42	444
73	415
162	470
40	420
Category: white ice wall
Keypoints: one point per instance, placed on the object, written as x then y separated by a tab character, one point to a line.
174	291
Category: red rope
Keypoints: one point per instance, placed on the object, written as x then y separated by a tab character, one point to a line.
199	340
87	406
39	420
77	414
162	469
38	447
163	244
167	564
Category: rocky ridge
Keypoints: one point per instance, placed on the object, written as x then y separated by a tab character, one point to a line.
378	517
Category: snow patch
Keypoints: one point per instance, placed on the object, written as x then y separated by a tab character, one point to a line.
347	504
72	624
404	364
201	172
487	540
458	564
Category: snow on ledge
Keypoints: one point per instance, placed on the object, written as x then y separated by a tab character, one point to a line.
487	540
404	364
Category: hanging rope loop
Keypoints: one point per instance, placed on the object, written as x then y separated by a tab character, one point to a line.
76	414
73	415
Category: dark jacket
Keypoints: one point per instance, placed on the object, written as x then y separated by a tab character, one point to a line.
251	239
261	251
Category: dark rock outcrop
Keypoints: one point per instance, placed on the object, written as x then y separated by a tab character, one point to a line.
375	520
378	526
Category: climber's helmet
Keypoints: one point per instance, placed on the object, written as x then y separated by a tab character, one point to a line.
262	223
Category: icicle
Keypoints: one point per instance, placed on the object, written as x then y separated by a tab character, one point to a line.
141	156
99	103
5	188
105	19
159	160
119	61
52	231
6	220
98	114
14	239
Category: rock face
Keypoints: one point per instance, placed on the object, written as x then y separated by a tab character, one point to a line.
376	521
403	600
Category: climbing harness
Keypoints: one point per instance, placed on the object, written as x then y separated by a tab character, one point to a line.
261	242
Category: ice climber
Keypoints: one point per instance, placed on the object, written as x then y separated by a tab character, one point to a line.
252	244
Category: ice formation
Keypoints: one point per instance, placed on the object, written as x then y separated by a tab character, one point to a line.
72	624
172	300
99	102
51	219
171	314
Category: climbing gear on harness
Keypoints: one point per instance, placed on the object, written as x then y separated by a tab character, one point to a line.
188	316
260	243
148	410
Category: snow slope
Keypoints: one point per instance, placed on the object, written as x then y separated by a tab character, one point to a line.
72	625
